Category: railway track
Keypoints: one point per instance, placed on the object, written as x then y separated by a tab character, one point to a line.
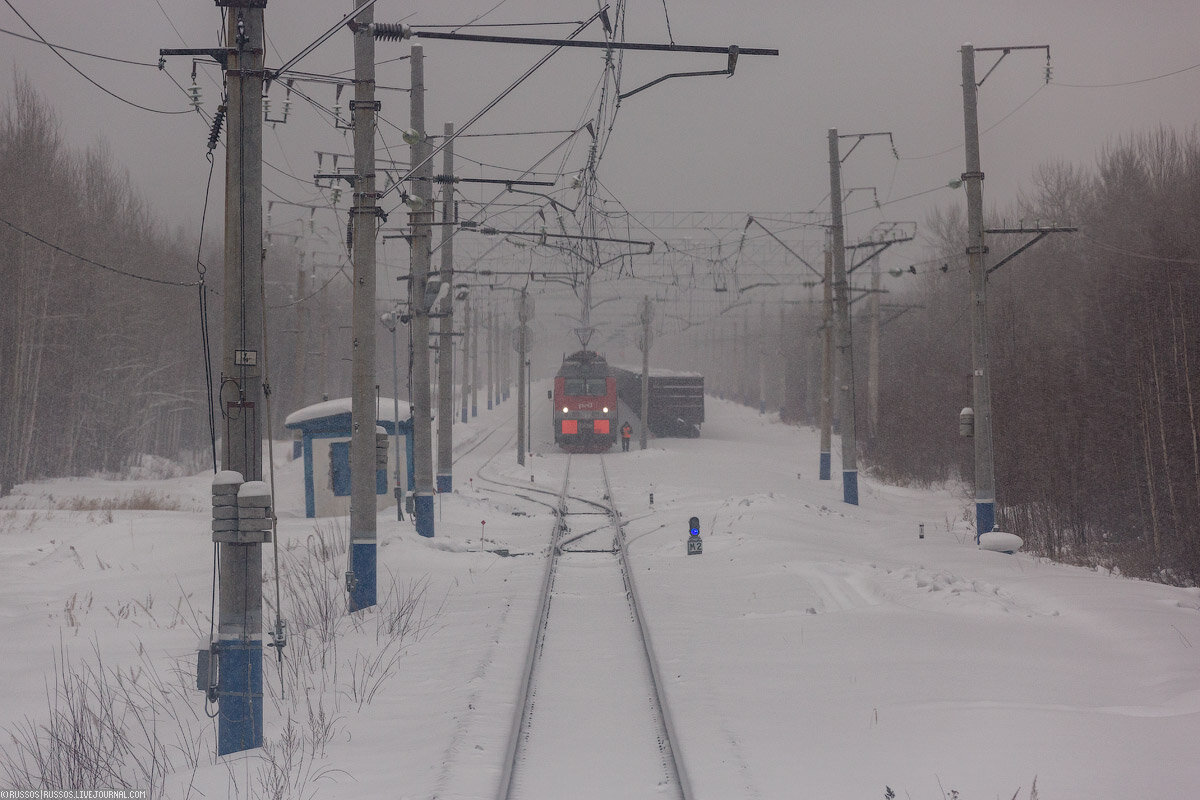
591	721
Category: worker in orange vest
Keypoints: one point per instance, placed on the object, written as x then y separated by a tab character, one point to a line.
626	433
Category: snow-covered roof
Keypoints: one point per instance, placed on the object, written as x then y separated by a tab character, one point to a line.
657	372
385	411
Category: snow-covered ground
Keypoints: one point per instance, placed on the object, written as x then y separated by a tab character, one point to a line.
814	650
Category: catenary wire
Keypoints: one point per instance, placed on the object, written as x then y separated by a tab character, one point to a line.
94	263
84	75
1127	83
78	52
988	129
484	14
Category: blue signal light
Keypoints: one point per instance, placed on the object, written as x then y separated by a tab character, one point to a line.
694	526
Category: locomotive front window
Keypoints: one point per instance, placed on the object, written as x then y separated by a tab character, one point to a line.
584	387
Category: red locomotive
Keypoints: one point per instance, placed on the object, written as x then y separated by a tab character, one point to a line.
585	404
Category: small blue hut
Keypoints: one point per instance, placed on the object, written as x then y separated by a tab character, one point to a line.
325	430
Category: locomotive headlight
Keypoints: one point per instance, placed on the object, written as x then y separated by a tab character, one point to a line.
566	410
606	409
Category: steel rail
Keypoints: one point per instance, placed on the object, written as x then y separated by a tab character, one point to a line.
535	642
664	713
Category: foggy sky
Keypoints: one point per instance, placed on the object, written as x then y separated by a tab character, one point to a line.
756	141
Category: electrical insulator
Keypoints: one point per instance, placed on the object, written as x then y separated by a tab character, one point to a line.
215	133
266	109
335	194
391	31
194	93
287	106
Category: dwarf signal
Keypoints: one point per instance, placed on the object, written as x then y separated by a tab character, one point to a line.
695	545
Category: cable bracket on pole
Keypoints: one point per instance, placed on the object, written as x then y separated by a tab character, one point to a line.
218	54
1041	233
880	246
1005	51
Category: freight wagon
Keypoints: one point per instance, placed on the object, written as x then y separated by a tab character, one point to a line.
676	399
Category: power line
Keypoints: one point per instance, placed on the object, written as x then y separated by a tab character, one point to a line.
171	22
484	14
78	52
87	260
1127	83
1132	254
504	24
84	75
492	104
667	14
320	40
988	129
897	200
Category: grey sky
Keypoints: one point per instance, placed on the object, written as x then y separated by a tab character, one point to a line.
754	141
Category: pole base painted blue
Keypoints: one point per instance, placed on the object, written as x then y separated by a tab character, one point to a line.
850	486
762	408
489	404
464	415
474	411
240	717
423	513
985	517
362	566
445	483
826	467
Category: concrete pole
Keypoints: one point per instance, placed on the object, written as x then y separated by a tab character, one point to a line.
762	358
497	343
522	344
323	319
239	631
466	356
810	320
421	235
826	465
744	358
302	320
735	368
782	360
503	348
730	368
503	345
475	363
981	390
647	317
398	488
445	459
717	348
841	293
873	354
360	574
491	346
